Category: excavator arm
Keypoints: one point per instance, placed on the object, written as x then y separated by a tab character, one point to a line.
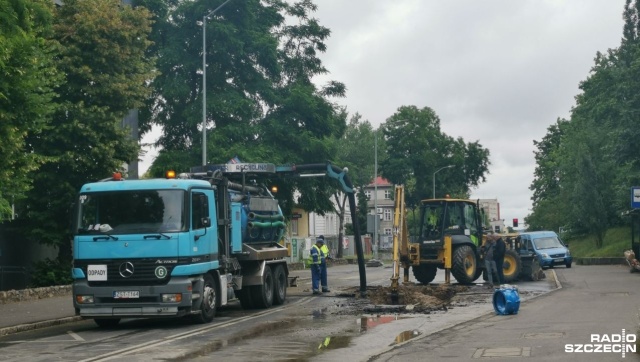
400	242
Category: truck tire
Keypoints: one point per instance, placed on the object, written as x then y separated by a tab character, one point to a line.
209	302
280	285
244	295
262	295
107	323
512	266
424	273
464	264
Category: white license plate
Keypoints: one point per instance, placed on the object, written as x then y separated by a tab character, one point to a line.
559	259
126	294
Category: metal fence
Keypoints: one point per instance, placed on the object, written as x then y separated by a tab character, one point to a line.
13	277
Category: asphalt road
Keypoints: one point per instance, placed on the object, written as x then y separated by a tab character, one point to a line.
598	300
593	300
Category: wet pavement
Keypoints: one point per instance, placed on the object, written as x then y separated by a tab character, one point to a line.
322	328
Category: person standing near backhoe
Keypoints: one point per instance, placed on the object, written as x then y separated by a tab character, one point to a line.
489	262
323	265
498	256
315	258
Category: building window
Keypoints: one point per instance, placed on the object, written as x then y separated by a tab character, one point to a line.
387	214
387	194
368	194
294	226
387	231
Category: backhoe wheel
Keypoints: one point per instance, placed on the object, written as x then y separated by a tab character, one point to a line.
280	285
263	294
512	266
209	303
464	264
424	273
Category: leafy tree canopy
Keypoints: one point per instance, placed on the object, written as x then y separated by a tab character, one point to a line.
261	102
102	53
416	148
27	77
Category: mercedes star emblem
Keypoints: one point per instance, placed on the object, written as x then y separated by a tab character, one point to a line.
126	269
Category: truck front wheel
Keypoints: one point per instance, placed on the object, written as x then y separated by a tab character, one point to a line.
209	303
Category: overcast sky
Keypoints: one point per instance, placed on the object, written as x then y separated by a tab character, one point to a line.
496	71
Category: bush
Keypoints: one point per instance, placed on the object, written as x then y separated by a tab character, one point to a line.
50	272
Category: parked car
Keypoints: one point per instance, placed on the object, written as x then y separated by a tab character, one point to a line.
548	247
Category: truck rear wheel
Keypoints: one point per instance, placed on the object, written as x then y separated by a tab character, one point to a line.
512	266
209	302
244	295
262	295
424	273
464	264
280	285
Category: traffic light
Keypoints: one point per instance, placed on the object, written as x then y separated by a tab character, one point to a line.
515	223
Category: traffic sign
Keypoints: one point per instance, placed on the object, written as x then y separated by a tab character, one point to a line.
635	197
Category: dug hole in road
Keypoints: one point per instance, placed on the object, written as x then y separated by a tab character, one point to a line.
375	325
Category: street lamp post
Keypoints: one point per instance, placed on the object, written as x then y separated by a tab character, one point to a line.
434	178
204	81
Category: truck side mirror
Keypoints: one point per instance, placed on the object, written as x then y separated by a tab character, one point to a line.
206	222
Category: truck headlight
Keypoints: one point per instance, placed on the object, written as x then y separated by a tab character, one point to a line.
545	255
172	298
84	299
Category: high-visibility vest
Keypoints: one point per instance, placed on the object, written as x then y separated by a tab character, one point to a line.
317	254
325	253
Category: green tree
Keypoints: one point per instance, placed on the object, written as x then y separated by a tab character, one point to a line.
27	77
102	53
549	212
356	152
261	59
596	152
416	148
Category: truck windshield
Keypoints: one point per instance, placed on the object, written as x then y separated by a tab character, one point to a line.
547	243
127	212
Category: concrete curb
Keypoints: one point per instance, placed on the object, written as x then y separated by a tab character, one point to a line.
37	325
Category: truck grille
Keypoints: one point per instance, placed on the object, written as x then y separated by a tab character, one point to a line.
144	271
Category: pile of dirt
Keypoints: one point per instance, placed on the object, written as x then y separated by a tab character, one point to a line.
410	298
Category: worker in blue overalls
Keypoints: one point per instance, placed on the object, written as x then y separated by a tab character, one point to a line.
323	265
315	258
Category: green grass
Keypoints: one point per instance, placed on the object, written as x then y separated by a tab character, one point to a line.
616	241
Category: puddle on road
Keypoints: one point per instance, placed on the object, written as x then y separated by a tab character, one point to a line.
405	336
335	342
367	323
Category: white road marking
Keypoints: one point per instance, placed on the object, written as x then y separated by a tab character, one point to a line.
75	336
